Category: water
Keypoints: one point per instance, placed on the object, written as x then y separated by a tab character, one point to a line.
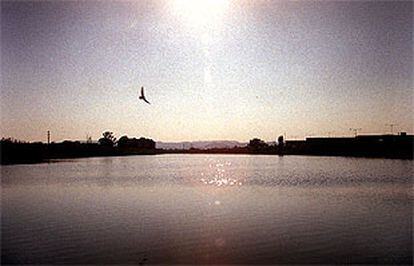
210	209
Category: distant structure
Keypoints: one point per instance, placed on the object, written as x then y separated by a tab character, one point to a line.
389	146
48	137
355	130
391	127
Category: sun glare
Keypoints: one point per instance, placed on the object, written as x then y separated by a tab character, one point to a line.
200	12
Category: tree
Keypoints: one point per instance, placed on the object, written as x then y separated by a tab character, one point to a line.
123	142
108	139
257	145
141	143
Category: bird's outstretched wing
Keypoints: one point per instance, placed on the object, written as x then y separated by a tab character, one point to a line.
145	100
142	97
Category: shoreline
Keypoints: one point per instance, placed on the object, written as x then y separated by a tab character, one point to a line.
56	159
379	146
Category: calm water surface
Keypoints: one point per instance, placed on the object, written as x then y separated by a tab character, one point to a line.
220	209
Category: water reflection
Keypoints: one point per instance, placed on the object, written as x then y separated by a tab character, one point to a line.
211	209
216	174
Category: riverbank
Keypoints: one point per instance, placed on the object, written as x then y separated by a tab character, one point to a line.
374	146
17	153
26	154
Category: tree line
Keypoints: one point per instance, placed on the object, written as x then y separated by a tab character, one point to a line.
15	151
109	140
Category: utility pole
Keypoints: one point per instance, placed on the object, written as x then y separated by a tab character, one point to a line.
88	139
355	130
391	127
48	137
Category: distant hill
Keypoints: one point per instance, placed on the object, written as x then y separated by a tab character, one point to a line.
218	144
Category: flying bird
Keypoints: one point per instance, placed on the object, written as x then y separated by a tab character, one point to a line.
142	96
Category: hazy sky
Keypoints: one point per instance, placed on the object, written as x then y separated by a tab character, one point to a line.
212	70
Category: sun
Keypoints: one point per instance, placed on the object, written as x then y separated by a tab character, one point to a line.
200	12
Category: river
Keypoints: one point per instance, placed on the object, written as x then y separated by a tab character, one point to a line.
208	209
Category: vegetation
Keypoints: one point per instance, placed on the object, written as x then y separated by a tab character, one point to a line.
142	143
108	139
388	146
258	146
14	151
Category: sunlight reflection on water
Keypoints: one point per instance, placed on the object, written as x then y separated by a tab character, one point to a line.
217	175
210	209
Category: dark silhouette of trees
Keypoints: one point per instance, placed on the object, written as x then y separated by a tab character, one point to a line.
15	151
123	141
387	146
133	143
108	139
257	146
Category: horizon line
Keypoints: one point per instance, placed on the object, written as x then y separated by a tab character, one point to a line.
350	135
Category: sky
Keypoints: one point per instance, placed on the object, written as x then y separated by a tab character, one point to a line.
212	70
